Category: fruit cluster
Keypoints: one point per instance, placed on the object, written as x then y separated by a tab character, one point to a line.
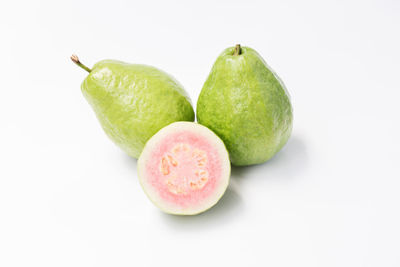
244	117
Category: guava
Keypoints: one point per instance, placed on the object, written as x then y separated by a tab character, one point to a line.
132	101
184	168
246	104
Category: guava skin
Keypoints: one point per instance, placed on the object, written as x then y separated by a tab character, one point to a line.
245	103
132	102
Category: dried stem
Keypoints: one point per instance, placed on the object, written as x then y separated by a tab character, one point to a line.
238	50
75	59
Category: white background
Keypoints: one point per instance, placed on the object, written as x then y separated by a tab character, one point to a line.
331	197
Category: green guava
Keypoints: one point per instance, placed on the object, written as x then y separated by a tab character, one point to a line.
184	168
246	104
132	101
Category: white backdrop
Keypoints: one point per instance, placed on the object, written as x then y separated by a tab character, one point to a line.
70	197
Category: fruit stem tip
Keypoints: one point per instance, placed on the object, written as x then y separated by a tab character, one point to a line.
75	59
238	50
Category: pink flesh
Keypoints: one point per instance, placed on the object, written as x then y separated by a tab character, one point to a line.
184	171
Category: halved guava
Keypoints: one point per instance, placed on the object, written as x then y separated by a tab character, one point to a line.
184	168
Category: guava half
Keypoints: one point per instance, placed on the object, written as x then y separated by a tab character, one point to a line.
184	168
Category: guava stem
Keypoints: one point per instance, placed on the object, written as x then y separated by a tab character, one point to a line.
238	50
75	59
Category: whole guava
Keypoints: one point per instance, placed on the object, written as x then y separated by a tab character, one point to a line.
246	104
133	101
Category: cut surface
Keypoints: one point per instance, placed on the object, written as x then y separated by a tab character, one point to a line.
184	168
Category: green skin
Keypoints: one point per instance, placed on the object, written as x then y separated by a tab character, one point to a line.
245	103
133	102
